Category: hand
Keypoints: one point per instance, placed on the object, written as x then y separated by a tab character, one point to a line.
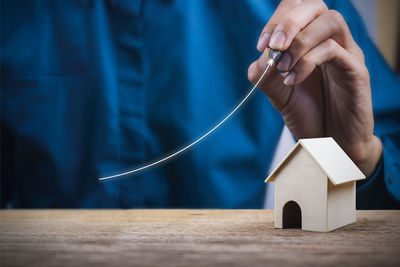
325	90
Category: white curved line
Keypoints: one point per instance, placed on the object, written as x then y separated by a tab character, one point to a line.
199	139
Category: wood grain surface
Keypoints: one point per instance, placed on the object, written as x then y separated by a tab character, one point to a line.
190	238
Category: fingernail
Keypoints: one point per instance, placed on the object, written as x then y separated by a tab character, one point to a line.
263	41
284	73
290	79
277	40
285	62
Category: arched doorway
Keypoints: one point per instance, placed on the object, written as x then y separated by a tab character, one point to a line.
291	215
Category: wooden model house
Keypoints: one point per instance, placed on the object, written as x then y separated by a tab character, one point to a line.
315	187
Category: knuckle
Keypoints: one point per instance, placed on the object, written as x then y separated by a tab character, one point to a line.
288	24
291	23
300	42
321	6
331	47
336	17
324	7
360	54
306	61
330	44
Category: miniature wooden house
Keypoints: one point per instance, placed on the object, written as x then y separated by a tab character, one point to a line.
315	187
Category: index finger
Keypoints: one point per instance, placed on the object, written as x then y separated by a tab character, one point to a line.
294	21
281	10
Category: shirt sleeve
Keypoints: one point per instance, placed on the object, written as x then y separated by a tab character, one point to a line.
382	189
372	192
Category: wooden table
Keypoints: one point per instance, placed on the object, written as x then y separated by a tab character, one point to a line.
190	238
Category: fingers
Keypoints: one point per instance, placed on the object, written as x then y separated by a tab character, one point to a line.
311	35
279	13
328	51
294	21
272	84
329	25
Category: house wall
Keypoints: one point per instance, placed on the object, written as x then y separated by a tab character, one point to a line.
341	204
302	181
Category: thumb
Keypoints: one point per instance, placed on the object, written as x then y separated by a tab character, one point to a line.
272	82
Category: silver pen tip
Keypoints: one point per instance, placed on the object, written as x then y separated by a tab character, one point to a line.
275	55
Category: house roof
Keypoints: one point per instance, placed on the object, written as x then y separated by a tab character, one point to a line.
329	156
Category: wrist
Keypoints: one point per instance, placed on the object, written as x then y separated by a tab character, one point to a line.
373	152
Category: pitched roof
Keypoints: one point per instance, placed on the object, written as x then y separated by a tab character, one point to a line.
329	156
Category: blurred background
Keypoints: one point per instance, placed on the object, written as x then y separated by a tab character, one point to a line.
382	20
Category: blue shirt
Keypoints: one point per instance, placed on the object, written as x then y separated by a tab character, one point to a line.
90	88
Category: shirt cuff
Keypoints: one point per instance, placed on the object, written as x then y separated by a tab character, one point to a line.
377	174
382	189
